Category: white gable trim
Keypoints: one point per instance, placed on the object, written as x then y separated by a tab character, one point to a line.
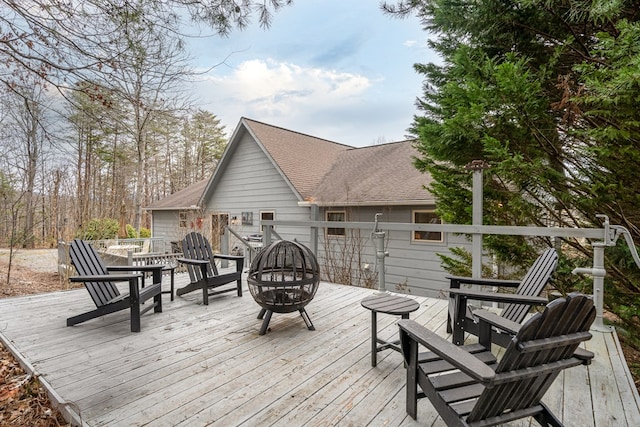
235	139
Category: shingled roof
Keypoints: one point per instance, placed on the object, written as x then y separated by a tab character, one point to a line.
184	199
324	172
376	175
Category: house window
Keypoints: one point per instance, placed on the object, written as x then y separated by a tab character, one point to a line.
426	217
247	218
266	216
182	219
336	216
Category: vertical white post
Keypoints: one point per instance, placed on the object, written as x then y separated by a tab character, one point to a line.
477	166
315	214
598	271
476	248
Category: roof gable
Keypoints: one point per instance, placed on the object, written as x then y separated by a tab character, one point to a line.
321	171
302	159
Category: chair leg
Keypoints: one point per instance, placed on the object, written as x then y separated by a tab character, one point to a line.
547	418
412	377
239	268
172	282
80	318
458	320
135	318
484	335
98	312
205	294
158	303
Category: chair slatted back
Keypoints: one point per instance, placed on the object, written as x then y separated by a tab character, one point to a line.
196	246
87	262
547	341
532	284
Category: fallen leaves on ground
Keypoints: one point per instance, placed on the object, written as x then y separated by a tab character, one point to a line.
23	401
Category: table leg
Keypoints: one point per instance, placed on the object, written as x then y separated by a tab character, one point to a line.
171	271
374	338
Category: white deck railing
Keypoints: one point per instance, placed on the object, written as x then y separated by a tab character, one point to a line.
601	238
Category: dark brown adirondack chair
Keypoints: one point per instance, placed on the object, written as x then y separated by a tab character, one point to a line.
473	389
461	317
203	272
100	283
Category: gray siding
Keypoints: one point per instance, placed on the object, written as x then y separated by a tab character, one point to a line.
411	267
166	224
251	183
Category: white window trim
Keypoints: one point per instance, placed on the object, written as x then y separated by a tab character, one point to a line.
344	230
413	232
183	219
261	219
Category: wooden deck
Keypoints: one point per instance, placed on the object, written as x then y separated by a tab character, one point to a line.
206	365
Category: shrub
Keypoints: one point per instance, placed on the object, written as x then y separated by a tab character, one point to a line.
131	232
98	229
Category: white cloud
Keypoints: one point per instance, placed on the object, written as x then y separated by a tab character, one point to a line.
273	88
340	106
410	43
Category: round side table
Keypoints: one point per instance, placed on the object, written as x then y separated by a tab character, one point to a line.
388	304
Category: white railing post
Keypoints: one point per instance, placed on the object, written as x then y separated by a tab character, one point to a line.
477	166
313	237
598	272
611	234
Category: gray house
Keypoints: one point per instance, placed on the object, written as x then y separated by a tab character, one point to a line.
270	173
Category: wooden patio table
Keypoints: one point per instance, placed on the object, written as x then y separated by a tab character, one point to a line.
388	304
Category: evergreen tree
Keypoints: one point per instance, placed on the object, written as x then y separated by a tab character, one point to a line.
546	92
204	142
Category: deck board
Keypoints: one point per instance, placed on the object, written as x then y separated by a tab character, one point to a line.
206	365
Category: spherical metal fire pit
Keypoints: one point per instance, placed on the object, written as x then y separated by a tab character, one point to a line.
283	278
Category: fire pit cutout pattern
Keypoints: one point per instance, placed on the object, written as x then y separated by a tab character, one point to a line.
283	278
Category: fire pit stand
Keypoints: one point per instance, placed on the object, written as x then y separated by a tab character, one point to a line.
283	278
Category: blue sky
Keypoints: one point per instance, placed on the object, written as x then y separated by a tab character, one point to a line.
335	69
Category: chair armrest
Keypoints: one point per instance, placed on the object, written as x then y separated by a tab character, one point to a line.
239	260
584	355
192	261
456	281
151	267
229	257
499	297
156	270
105	278
453	354
497	321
